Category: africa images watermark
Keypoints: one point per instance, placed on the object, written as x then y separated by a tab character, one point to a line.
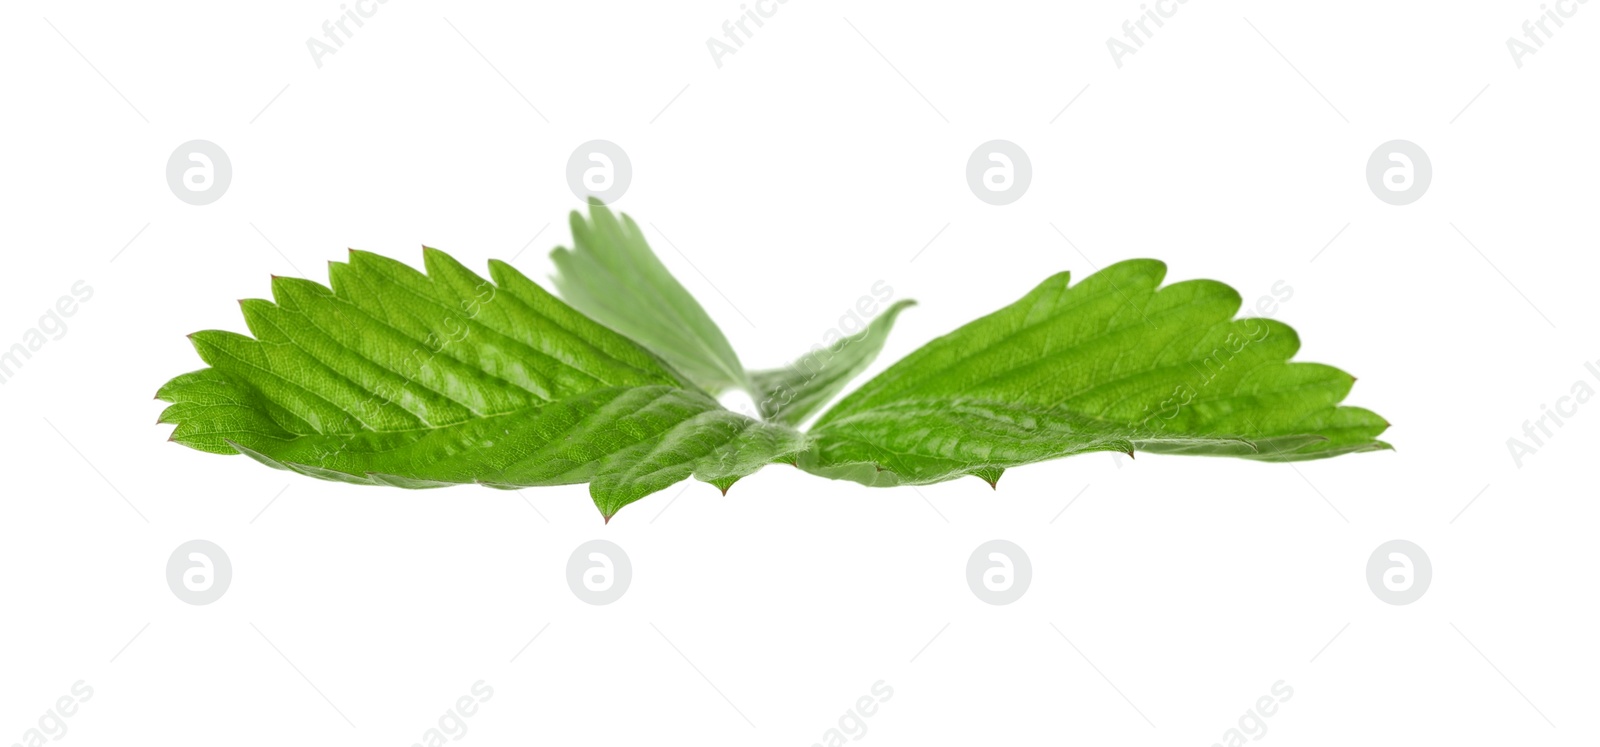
1539	429
53	723
52	325
1538	31
337	29
852	329
1253	723
1210	367
1183	395
1140	31
732	30
853	724
453	723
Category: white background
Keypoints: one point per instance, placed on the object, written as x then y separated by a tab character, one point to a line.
795	176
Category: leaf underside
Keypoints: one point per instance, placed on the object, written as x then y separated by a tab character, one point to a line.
1114	363
611	275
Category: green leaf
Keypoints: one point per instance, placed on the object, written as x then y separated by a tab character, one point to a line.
398	378
611	274
792	393
1114	363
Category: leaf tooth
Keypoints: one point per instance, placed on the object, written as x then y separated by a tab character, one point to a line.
989	474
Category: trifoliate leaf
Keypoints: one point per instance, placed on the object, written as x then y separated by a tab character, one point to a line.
398	378
792	393
394	377
611	274
1114	363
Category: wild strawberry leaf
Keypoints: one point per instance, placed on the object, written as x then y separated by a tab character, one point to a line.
611	274
399	378
1114	363
393	377
796	391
